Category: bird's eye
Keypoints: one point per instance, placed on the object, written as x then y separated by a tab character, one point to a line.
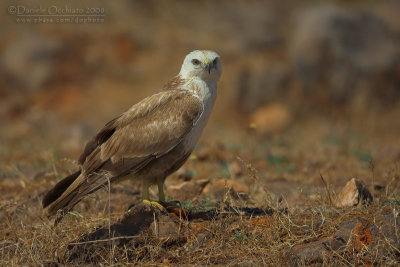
195	62
215	61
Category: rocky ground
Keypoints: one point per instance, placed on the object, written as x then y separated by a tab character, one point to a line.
298	165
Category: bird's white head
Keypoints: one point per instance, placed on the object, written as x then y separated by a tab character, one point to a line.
202	64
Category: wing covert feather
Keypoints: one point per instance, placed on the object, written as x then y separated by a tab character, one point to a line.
152	127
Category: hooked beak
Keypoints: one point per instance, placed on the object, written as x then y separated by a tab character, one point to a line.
208	65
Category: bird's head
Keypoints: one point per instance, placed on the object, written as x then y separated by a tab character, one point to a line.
203	64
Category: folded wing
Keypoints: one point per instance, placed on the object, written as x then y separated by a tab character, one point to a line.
148	130
152	127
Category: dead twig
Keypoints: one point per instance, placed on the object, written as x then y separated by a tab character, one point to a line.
326	188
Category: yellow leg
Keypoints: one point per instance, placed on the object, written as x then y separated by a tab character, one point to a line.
146	196
145	192
161	195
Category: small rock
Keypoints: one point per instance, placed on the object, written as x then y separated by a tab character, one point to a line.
164	226
319	251
219	188
387	230
271	119
354	235
187	190
354	192
309	253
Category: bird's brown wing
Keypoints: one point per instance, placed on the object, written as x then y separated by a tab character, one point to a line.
103	135
152	127
148	130
138	110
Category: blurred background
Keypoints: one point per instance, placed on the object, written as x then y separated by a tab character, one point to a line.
308	87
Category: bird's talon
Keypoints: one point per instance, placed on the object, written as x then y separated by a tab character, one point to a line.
153	203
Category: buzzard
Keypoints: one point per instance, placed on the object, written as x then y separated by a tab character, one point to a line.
149	141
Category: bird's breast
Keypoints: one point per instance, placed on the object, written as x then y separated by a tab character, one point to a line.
193	137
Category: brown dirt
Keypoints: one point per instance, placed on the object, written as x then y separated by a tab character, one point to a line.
104	69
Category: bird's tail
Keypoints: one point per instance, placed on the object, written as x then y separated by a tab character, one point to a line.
69	191
59	189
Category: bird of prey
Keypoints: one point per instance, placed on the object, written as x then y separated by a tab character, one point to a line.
149	141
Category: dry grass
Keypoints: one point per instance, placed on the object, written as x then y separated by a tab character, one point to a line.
29	239
298	171
232	240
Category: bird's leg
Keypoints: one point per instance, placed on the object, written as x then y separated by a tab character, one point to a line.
161	195
146	197
145	192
